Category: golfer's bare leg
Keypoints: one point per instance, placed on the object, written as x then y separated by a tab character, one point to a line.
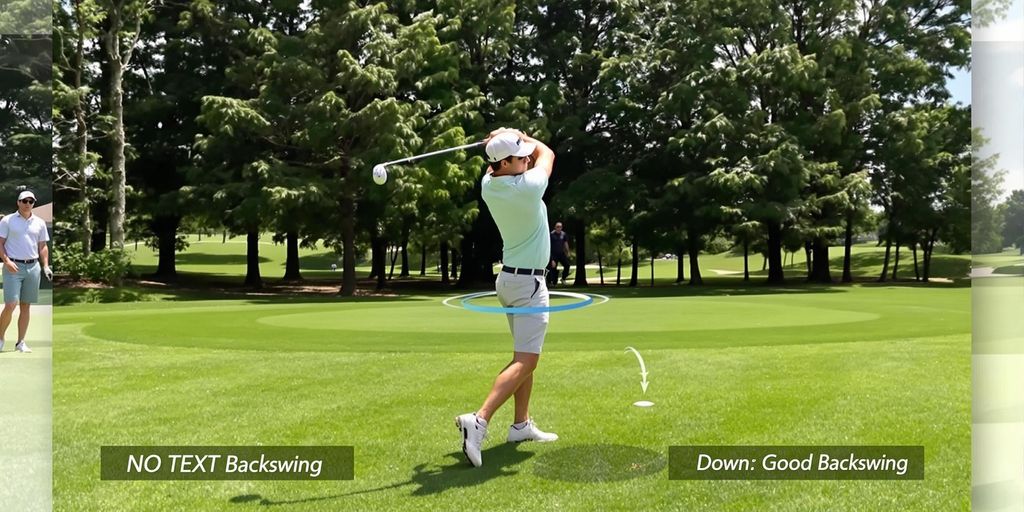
5	317
522	398
23	320
508	381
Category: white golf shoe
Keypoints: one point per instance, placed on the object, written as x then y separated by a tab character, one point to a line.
22	347
473	432
529	432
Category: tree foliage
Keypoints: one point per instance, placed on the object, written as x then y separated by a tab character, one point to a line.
675	123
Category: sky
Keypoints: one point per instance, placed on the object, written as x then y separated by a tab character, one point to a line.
997	92
960	86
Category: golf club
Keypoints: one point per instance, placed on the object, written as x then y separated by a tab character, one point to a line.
380	172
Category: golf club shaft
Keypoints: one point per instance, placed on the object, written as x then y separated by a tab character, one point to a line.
432	153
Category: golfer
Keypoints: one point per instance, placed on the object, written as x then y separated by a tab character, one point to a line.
23	238
513	191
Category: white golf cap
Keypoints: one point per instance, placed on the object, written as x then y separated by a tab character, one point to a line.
508	144
26	193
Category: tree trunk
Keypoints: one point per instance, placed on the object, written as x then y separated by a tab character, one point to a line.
291	264
423	259
444	263
746	257
166	230
693	251
927	264
480	247
117	139
618	273
636	263
820	272
917	273
848	248
885	261
405	256
82	144
929	249
809	258
579	234
455	264
252	260
600	268
652	270
680	264
379	260
775	272
348	256
394	259
476	260
896	261
376	258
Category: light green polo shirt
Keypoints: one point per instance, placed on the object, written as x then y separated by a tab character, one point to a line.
518	209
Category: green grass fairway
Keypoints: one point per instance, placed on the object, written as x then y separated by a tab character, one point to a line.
1004	260
789	366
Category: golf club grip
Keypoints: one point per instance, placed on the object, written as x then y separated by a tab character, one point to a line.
432	153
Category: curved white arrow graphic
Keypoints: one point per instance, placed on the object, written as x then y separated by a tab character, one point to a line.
643	369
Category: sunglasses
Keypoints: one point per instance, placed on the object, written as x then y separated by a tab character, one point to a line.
28	201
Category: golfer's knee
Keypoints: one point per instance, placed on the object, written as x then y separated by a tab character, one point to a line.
528	362
9	307
25	306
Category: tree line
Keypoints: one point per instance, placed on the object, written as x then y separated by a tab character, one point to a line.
776	126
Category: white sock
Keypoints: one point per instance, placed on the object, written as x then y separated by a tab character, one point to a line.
482	422
521	425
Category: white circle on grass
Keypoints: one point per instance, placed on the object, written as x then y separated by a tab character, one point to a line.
643	403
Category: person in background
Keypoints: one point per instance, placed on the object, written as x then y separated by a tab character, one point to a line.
559	254
23	238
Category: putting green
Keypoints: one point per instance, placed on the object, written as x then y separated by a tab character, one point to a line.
640	315
423	324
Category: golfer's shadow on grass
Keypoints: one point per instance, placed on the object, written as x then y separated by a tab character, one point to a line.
430	479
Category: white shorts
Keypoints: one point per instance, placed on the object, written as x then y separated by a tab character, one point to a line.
519	291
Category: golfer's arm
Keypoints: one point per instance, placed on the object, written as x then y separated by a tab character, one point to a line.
542	156
3	250
44	254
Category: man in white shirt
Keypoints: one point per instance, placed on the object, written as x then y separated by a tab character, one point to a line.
23	238
513	192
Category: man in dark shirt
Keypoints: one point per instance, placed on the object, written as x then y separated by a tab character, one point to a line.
559	254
